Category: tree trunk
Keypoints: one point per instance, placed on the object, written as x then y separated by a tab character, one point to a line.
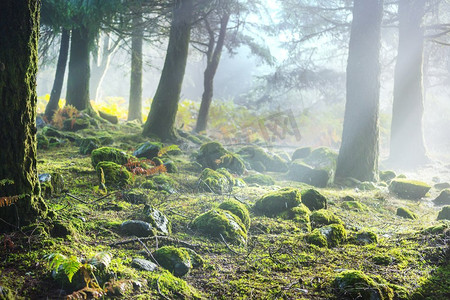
407	143
79	70
161	118
135	102
358	155
53	104
212	63
19	33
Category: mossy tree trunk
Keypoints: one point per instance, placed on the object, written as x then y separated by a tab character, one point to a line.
407	147
358	155
135	103
161	118
213	55
19	33
79	69
55	95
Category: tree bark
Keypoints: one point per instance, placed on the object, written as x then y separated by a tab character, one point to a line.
161	118
407	143
55	95
79	70
358	155
135	102
212	63
19	33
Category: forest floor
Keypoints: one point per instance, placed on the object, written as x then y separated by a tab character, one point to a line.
410	257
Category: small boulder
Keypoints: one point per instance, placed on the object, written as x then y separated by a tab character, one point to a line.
75	124
259	158
444	214
301	153
442	185
408	189
443	198
323	217
109	154
137	228
313	199
238	209
214	181
143	264
273	203
86	146
176	260
113	174
51	184
301	172
260	179
323	158
355	284
213	155
387	176
300	215
157	219
406	213
353	205
148	150
135	197
365	237
221	223
108	117
328	236
164	183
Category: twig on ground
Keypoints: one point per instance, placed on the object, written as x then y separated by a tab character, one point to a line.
159	291
226	244
76	198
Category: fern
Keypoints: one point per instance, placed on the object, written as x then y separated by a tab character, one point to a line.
69	265
102	259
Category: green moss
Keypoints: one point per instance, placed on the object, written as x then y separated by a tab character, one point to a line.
317	238
437	229
238	209
6	293
109	154
323	217
301	153
313	199
75	124
444	214
387	176
213	155
149	185
406	213
273	203
300	215
409	189
42	141
335	234
353	205
213	181
366	237
172	287
355	284
382	260
176	260
257	157
218	222
260	179
164	182
115	175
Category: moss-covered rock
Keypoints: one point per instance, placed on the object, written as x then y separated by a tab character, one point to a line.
176	260
219	222
213	155
323	158
157	219
328	236
387	176
367	186
323	217
444	214
300	215
172	287
442	185
273	203
443	198
353	205
109	154
364	237
260	179
301	172
257	157
87	145
213	181
52	184
135	197
408	189
353	284
75	124
42	141
149	185
170	165
113	174
113	119
301	153
148	150
406	213
313	199
382	260
238	209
